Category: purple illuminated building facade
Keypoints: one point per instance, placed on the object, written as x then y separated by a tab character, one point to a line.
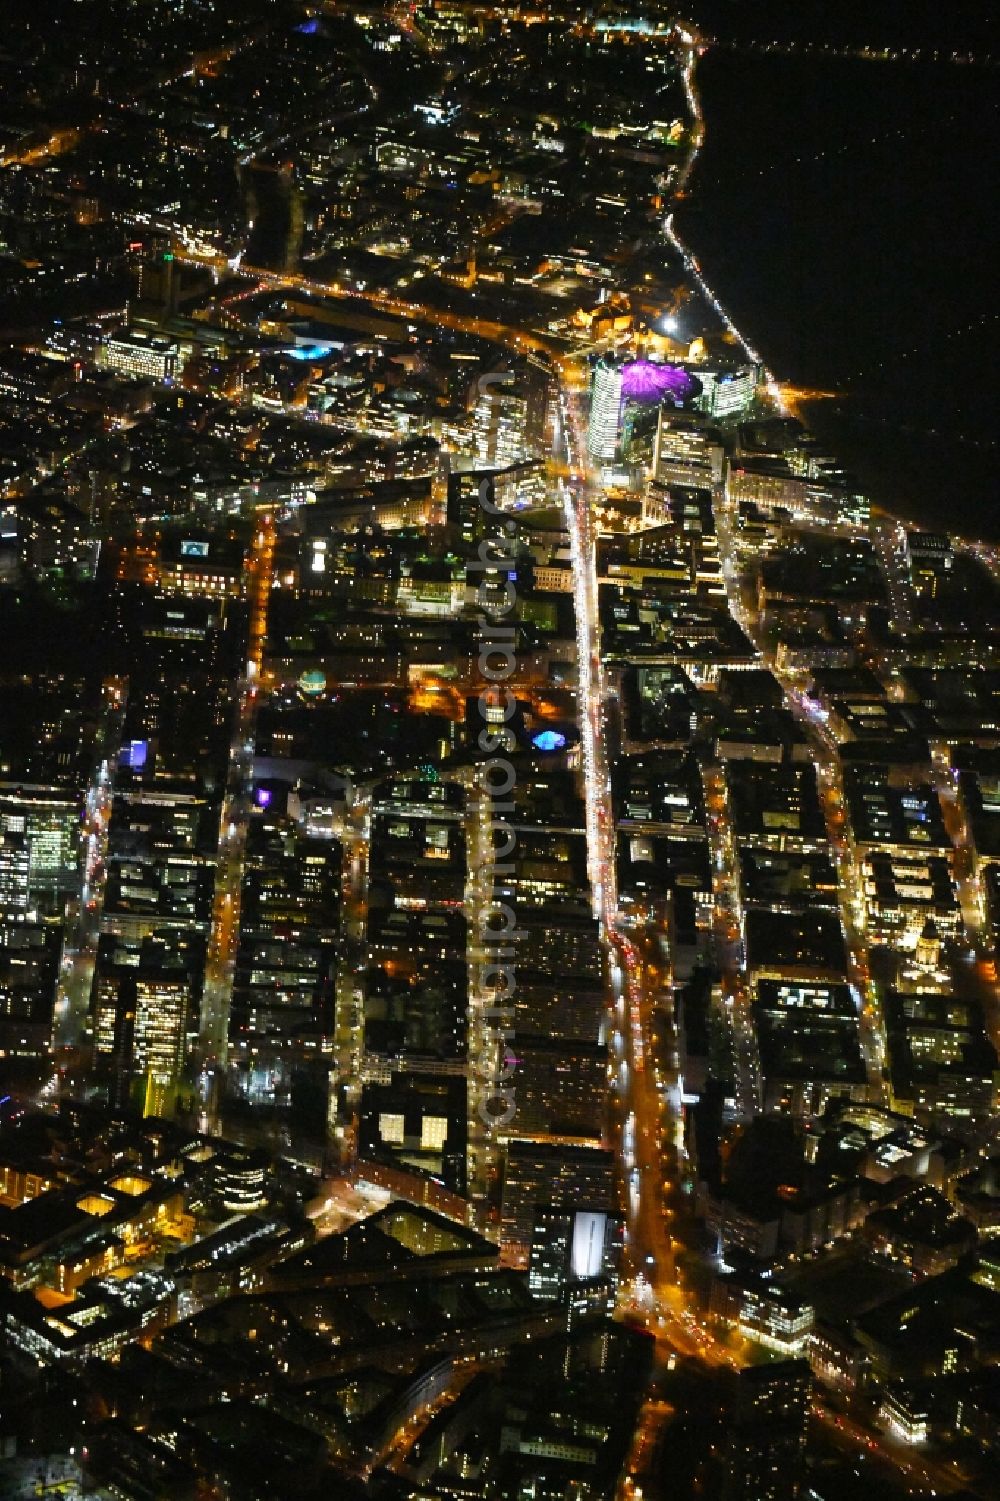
647	381
636	382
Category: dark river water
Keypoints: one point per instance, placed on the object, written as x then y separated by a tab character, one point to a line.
843	211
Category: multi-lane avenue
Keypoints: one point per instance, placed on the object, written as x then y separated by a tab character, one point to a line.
641	1077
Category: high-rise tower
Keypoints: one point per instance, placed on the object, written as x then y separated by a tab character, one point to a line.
605	410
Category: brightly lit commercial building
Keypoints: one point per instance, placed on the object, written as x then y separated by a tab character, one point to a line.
904	892
133	351
905	1414
570	1245
15	864
775	1319
508	421
688	451
727	392
145	1001
48	820
605	411
242	1181
476	495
